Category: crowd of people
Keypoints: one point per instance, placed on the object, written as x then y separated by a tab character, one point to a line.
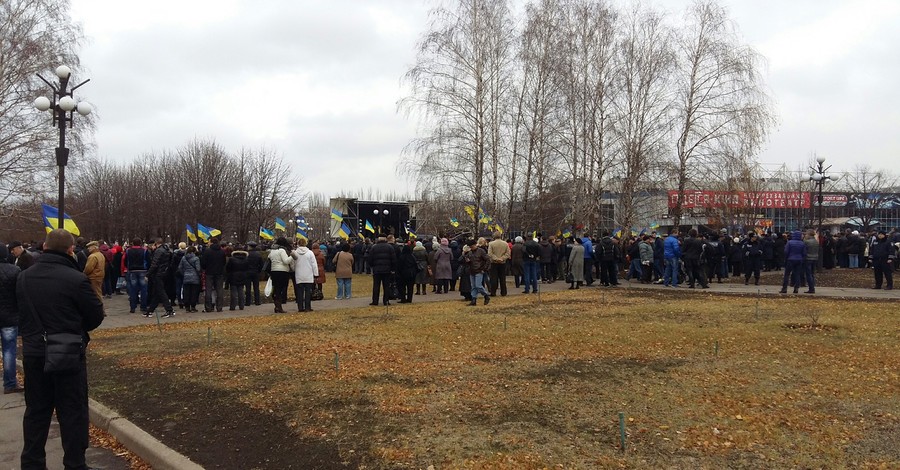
153	274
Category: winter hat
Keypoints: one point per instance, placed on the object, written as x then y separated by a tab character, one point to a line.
419	245
93	243
520	240
855	232
445	242
737	240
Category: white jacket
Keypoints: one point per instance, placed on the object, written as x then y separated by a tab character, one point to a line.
279	259
306	269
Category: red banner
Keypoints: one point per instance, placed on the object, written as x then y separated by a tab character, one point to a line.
741	199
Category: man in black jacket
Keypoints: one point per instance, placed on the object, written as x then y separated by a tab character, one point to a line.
254	267
9	320
62	296
383	260
213	263
156	275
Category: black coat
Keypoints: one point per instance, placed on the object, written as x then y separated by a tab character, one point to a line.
62	296
254	261
382	258
237	267
9	309
159	264
407	266
213	261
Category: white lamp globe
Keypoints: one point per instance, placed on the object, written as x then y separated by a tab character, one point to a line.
84	108
386	212
42	103
820	159
817	177
67	103
63	72
835	177
375	212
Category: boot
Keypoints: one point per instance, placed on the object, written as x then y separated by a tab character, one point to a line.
756	282
278	308
473	303
487	300
572	286
578	285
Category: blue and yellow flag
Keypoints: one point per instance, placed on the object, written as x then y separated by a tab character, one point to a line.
51	220
301	222
190	232
336	215
266	233
279	224
618	233
567	233
471	211
370	227
409	231
301	234
454	222
214	232
344	231
203	232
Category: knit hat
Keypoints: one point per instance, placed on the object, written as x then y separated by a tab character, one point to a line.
445	242
419	244
93	243
520	240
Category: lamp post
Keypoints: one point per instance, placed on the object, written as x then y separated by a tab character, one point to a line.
62	105
818	175
381	215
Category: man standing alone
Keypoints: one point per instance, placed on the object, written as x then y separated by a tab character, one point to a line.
57	292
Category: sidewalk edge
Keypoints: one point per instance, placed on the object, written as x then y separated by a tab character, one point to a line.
135	439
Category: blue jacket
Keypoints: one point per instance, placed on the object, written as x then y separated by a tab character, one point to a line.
588	248
795	250
671	247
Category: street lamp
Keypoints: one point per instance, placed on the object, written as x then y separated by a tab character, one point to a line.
62	105
818	175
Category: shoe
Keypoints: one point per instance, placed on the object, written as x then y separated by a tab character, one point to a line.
487	300
526	292
231	309
783	291
796	291
7	391
309	310
374	304
810	292
338	298
147	314
168	314
473	303
704	287
404	301
747	282
889	288
386	304
877	288
131	311
756	283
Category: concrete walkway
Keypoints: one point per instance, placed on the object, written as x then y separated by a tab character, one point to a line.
12	406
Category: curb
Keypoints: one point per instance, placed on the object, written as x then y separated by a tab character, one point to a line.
135	439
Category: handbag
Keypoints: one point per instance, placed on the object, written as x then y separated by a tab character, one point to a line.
570	278
317	294
63	351
267	291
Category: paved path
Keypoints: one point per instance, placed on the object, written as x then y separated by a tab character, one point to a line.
12	406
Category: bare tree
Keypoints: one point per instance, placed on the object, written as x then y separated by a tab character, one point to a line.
642	107
870	191
458	87
719	95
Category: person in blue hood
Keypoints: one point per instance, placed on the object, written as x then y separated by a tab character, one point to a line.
794	255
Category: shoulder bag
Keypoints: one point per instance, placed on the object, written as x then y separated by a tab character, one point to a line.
63	351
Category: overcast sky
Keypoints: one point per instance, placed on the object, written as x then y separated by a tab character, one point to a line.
318	81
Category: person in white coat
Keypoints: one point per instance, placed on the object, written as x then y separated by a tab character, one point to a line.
306	269
280	271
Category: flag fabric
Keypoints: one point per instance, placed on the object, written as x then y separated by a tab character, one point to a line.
51	220
279	224
214	232
618	233
266	233
567	233
203	232
301	222
409	231
370	227
344	231
471	211
337	215
454	222
654	226
190	232
301	234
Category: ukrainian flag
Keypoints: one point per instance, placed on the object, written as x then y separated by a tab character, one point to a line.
266	233
301	222
567	233
370	227
336	215
279	224
344	231
51	220
409	231
454	222
203	232
301	234
214	232
471	211
190	233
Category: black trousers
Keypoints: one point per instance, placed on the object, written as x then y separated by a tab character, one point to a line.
406	289
252	285
498	278
158	294
609	273
381	281
885	270
68	395
696	272
191	295
237	294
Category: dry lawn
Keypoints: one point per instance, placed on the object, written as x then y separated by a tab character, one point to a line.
521	384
